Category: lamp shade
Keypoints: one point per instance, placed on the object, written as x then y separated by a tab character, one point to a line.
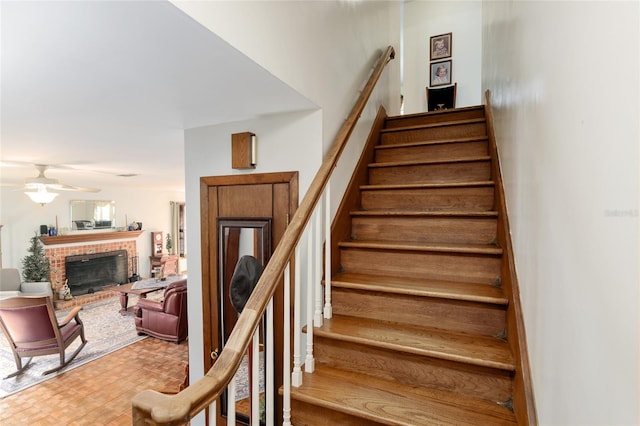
41	196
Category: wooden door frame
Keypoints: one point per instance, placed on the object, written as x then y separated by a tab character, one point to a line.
209	207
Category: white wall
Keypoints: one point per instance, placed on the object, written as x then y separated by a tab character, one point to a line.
424	19
287	142
564	79
21	217
316	47
322	49
325	51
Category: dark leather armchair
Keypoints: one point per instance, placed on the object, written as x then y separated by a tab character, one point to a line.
167	319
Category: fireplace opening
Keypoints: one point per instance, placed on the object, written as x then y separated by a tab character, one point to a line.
88	273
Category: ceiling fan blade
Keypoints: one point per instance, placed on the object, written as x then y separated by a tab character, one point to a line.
62	187
12	185
43	182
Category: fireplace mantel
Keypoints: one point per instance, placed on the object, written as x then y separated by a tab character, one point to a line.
90	236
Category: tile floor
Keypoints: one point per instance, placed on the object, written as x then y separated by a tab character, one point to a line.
99	393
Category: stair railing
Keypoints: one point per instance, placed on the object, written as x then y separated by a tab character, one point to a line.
153	408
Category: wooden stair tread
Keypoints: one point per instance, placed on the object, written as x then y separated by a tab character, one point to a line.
380	401
482	351
424	213
438	112
470	292
418	333
428	185
434	142
482	249
430	162
432	125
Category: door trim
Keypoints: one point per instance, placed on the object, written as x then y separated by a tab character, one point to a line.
285	190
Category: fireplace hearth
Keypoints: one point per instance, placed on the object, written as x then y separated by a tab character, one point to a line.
88	273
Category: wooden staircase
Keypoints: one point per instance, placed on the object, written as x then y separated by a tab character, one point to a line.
419	328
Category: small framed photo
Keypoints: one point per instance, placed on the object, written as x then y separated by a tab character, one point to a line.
440	73
441	46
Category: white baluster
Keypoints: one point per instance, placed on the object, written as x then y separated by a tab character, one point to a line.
269	366
212	413
255	379
309	364
296	376
231	402
286	363
317	282
328	310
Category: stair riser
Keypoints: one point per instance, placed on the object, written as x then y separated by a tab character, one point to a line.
429	199
474	381
425	265
440	117
433	152
468	317
471	171
466	130
425	229
304	414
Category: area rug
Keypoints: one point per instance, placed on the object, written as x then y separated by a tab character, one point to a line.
105	330
242	377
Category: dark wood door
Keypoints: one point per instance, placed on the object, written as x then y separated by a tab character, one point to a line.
271	196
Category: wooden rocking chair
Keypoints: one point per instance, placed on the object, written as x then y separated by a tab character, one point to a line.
32	329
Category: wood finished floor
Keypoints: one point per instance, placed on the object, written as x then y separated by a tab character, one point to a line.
99	393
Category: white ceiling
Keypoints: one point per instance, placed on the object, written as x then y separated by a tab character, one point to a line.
106	88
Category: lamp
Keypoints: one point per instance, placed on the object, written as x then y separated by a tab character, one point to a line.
243	150
41	195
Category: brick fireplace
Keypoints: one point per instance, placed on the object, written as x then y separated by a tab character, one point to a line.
57	255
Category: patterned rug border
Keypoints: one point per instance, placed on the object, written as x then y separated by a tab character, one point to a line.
106	331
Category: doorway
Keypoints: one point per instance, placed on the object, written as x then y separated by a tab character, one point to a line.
231	204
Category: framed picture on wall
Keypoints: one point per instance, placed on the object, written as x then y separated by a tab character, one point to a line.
440	73
441	46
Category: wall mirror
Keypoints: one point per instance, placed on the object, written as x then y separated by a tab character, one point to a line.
237	238
92	214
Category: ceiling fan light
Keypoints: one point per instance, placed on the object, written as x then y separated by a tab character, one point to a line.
41	196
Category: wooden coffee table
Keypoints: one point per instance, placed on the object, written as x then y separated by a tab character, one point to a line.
125	290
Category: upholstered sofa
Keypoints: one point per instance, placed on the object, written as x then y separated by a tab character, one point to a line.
11	285
166	319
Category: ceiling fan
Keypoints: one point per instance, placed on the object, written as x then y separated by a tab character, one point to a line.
41	181
38	188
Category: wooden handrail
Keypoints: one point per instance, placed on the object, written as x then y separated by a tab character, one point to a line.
150	407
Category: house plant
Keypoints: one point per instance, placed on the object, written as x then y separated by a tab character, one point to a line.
169	244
